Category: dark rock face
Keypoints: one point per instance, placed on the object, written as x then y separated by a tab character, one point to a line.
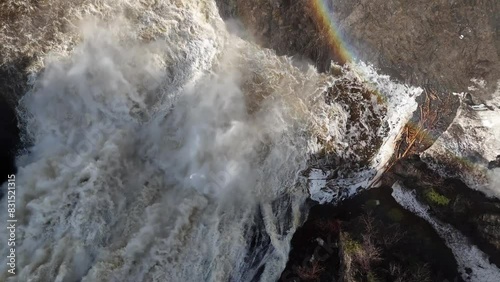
368	238
290	27
451	201
9	140
12	86
495	163
437	44
488	225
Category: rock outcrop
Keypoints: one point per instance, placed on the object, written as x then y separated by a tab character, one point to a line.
438	44
451	201
442	46
368	238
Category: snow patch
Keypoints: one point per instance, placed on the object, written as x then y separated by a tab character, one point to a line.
317	184
468	256
469	144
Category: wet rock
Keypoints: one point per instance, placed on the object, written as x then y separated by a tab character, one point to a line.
444	46
465	150
440	43
450	200
368	238
13	85
468	99
289	27
495	163
489	228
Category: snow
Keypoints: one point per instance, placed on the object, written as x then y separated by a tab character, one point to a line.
317	184
468	256
469	144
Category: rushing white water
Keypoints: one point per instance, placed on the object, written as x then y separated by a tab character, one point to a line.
166	149
467	255
349	177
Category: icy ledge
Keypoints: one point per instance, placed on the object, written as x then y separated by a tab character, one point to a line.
473	264
469	144
400	103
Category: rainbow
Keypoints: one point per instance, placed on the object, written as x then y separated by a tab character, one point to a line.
345	55
337	45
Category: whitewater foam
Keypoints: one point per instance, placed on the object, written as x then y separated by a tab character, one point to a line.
164	148
392	106
175	157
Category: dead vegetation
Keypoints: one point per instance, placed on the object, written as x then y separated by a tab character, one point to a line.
418	135
435	112
419	274
359	255
331	226
310	272
366	245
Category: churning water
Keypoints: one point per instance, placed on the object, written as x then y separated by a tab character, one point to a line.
161	147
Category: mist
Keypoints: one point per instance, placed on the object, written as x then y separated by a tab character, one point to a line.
135	161
164	147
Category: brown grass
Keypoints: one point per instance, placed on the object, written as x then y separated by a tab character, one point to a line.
418	134
311	272
329	226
